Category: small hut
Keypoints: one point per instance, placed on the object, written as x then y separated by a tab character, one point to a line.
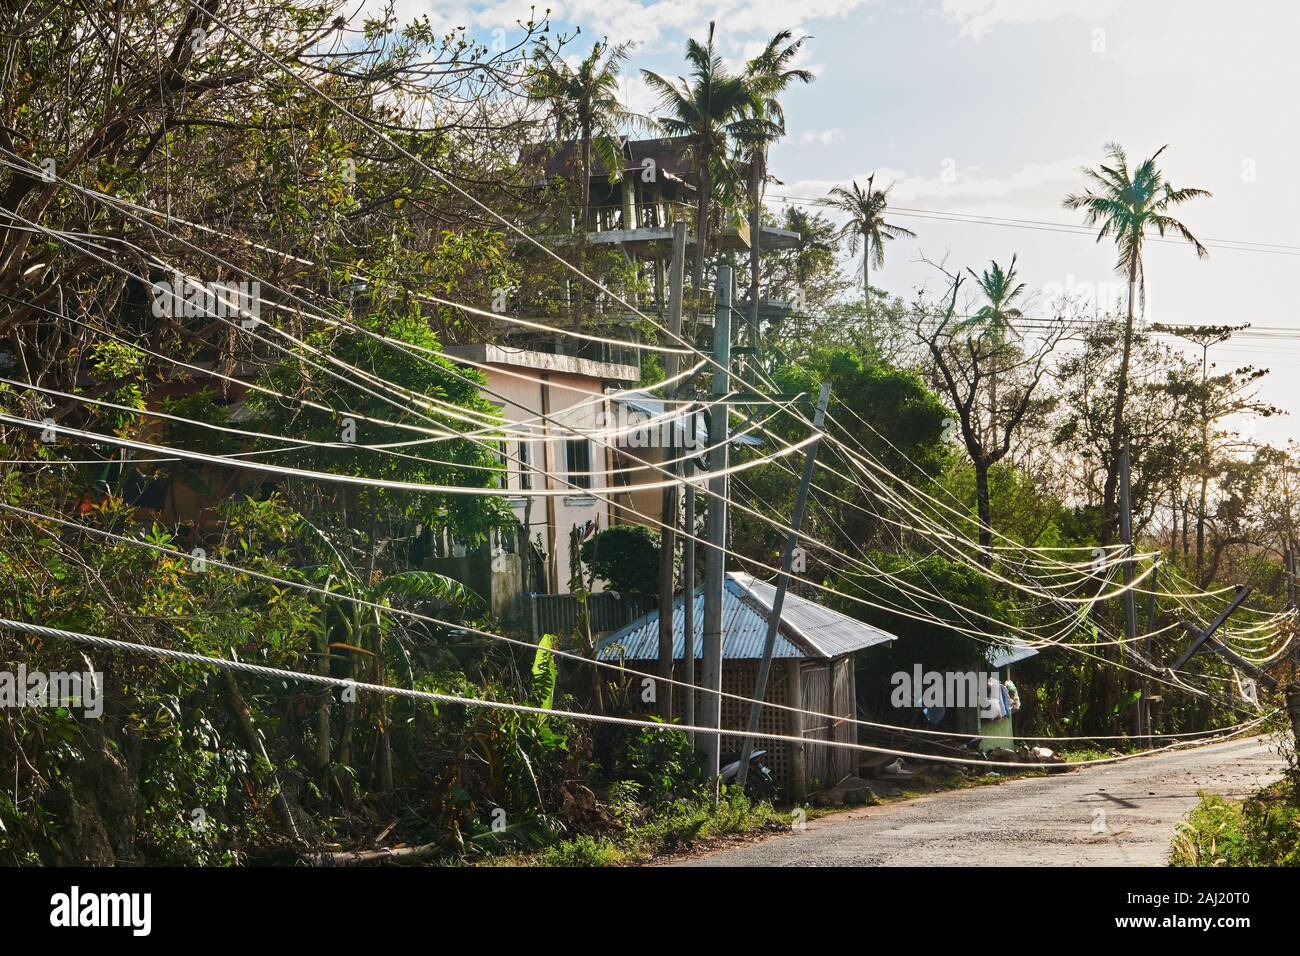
812	669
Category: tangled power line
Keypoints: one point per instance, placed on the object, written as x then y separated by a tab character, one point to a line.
1034	571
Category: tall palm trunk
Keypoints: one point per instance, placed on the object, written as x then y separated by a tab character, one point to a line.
586	177
1110	513
585	224
866	290
703	209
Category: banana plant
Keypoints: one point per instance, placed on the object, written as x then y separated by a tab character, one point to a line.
361	639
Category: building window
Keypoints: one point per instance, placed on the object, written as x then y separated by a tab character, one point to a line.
578	456
525	465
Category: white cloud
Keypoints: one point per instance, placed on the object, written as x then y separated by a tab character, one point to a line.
978	17
742	23
824	137
1025	193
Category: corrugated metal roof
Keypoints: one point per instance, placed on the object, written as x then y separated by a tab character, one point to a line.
1012	652
807	629
827	630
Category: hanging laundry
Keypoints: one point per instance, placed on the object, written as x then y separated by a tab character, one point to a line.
1013	694
993	708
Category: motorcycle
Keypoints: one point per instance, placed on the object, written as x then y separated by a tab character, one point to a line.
759	782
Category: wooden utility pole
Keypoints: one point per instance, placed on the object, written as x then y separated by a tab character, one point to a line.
714	565
668	516
782	581
1201	637
1130	604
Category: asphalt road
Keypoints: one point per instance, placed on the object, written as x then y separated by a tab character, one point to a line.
1116	815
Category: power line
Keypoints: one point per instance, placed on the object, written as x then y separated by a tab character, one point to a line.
435	697
1039	225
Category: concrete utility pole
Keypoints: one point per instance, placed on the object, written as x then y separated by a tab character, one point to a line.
717	528
688	589
1293	684
1146	651
668	516
782	581
755	235
1130	605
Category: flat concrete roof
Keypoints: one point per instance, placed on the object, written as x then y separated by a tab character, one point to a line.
490	354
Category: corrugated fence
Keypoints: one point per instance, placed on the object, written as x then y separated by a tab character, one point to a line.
607	610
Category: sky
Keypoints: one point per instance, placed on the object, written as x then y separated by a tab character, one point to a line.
989	108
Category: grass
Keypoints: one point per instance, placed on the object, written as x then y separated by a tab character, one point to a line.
687	823
1261	831
681	825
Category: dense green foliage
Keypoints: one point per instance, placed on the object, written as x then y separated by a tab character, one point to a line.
372	268
626	556
1263	830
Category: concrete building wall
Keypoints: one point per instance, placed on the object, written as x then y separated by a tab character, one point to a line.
568	399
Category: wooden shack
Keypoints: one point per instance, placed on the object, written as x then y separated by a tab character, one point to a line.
812	669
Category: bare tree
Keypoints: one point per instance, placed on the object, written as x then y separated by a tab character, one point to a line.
966	362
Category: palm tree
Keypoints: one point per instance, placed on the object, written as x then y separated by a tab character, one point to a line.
817	240
866	210
584	103
1126	206
994	318
1001	289
771	75
712	110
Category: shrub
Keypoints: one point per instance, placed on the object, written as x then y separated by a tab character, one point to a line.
626	556
1262	831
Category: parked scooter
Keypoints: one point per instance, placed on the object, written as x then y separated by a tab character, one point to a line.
759	783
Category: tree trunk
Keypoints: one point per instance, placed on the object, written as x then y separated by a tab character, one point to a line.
1173	519
584	225
323	707
703	209
385	741
256	745
866	291
1110	513
586	179
985	510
